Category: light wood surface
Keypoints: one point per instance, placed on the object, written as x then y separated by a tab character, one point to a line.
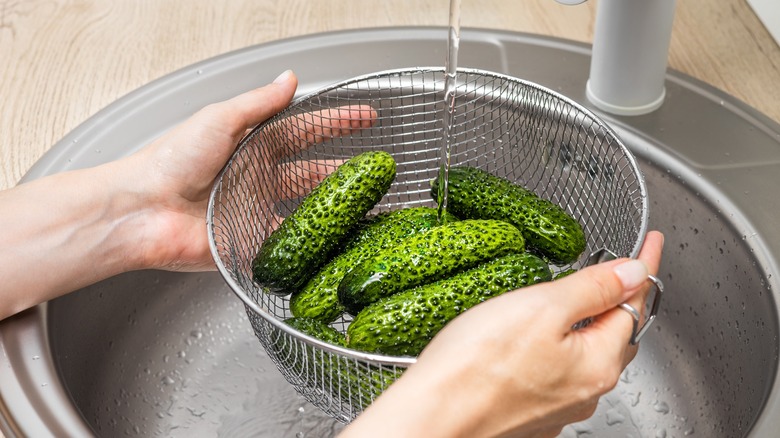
63	60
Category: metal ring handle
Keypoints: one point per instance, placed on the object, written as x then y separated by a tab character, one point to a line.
603	255
635	319
637	331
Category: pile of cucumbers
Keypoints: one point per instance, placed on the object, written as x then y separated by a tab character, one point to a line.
404	274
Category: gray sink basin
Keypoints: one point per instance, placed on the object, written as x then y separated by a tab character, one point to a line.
166	354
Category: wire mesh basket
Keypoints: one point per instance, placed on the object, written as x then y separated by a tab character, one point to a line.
509	127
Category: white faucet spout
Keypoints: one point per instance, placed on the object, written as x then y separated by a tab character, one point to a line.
630	51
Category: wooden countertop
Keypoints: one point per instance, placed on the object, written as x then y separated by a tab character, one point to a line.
63	61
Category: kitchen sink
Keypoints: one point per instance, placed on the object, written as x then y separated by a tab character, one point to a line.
155	353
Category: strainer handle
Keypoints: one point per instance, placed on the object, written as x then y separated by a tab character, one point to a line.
603	255
637	333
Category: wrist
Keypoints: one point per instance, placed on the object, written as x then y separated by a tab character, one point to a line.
122	212
66	231
426	403
160	219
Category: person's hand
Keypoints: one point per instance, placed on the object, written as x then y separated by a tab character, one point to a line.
513	366
148	210
175	174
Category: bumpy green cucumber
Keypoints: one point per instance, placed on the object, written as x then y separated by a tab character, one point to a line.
476	194
426	257
318	299
404	323
305	239
318	330
565	273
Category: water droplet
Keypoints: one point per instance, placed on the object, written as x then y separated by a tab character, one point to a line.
167	380
688	431
44	384
582	429
301	410
614	417
661	407
299	435
635	399
36	357
182	354
197	334
660	433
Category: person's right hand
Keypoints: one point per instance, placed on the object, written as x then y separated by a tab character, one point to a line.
513	366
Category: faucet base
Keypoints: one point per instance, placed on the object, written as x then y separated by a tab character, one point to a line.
622	110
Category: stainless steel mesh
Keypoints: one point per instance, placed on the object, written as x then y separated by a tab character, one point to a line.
512	128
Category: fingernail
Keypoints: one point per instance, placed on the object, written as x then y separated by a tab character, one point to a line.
282	78
631	274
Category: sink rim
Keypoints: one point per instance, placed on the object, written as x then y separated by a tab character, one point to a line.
20	417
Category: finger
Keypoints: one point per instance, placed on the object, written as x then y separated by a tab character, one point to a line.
617	325
307	129
650	254
596	289
612	331
302	176
253	107
651	251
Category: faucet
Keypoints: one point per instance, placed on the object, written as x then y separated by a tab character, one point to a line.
629	58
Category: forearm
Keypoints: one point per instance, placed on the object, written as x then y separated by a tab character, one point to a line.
64	232
448	402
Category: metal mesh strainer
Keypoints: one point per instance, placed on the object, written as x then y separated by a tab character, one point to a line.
512	128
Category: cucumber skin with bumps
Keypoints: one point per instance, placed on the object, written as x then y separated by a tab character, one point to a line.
318	330
306	238
476	194
564	273
318	298
427	257
404	323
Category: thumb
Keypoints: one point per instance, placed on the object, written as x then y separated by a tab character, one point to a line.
250	108
597	289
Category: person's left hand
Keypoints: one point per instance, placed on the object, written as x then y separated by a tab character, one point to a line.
147	211
175	174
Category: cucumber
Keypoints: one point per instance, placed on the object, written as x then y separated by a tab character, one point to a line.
426	257
564	273
318	298
403	324
476	194
307	237
317	329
